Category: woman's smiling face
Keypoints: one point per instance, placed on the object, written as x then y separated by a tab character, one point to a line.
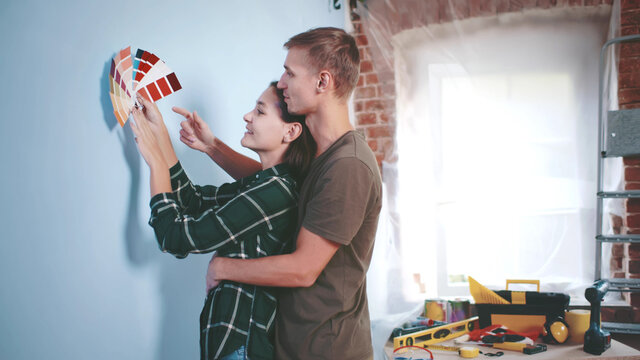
265	126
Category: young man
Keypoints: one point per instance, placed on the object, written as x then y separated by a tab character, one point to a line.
323	311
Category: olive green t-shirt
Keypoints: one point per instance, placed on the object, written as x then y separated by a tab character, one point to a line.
340	200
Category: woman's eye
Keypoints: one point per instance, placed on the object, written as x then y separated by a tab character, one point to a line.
260	112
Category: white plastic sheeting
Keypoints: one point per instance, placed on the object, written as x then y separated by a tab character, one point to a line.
496	142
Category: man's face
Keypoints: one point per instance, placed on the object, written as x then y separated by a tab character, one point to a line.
298	82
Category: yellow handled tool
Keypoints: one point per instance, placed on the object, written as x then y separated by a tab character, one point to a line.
513	346
520	347
467	352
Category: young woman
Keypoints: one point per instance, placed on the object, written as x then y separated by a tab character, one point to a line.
250	218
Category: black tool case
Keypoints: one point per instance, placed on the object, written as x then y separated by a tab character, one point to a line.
528	311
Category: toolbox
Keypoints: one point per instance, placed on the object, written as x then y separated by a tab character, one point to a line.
527	311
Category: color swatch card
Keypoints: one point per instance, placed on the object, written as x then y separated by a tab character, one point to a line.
145	74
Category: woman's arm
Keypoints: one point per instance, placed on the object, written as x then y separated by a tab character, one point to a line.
151	152
194	199
196	134
252	211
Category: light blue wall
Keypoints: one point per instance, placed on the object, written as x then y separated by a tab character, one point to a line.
81	274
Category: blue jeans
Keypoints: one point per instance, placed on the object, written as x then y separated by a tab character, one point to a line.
236	355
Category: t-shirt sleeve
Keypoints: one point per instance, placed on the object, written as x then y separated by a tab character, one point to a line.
340	201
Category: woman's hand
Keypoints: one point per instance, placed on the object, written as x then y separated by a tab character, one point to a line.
154	117
158	128
160	181
195	133
146	140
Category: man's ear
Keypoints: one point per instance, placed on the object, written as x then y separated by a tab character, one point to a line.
325	81
293	131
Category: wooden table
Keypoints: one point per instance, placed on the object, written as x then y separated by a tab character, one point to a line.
617	351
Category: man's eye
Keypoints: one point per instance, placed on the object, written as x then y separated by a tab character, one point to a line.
260	112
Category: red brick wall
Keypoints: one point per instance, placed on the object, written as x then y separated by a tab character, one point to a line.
374	110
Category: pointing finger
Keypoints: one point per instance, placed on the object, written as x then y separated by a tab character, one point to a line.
181	111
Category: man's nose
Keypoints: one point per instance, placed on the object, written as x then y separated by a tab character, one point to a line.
281	83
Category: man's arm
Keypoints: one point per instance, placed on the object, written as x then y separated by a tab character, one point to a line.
196	134
298	269
232	162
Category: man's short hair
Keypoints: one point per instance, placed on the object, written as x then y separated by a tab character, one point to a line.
334	50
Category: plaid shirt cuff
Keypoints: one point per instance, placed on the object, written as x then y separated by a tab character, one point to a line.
178	176
161	202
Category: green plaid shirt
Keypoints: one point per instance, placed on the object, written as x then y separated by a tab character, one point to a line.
250	218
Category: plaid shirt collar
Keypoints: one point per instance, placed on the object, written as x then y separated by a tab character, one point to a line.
278	170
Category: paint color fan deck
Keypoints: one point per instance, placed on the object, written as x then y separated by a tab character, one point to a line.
144	74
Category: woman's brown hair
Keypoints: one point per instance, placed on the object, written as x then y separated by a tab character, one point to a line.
302	150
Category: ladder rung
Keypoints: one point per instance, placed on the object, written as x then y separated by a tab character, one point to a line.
619	238
619	194
623	285
621	328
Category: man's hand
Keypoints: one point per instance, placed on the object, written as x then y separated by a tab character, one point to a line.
211	275
195	133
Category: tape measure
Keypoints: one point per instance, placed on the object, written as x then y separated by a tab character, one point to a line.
467	352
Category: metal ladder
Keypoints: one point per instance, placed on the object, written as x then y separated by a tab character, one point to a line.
618	136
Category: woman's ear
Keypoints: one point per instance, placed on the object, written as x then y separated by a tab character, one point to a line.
293	130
